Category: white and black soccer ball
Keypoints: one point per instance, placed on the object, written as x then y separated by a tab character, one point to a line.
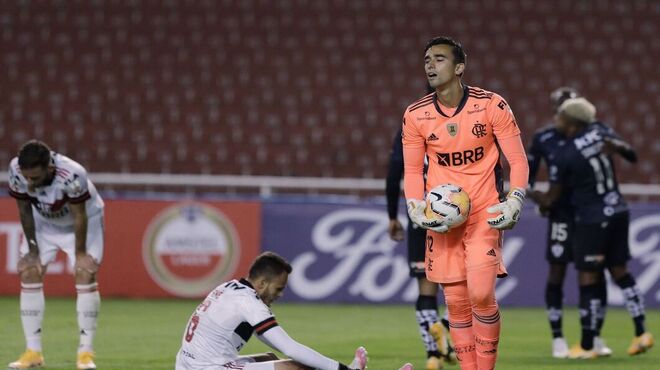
450	202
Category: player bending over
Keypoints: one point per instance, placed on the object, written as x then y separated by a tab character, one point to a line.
59	209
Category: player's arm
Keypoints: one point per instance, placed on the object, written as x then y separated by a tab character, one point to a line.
414	150
80	226
547	199
507	133
27	222
268	331
18	190
558	171
393	188
78	193
31	259
84	261
534	158
613	143
277	338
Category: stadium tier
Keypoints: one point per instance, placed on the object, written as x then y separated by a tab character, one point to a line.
302	88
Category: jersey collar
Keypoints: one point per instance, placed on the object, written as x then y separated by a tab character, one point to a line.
246	283
461	104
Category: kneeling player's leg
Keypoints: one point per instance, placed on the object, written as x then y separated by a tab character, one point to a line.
460	323
266	365
486	323
261	357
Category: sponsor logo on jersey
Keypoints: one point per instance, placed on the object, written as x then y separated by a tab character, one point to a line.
460	158
476	109
427	117
452	129
188	248
587	139
432	137
479	130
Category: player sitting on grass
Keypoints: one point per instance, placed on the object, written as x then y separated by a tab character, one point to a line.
223	323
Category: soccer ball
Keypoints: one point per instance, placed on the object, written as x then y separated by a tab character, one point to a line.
450	202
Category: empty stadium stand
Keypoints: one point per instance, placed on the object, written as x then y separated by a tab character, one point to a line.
302	87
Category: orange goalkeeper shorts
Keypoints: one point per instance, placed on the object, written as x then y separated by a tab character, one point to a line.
470	246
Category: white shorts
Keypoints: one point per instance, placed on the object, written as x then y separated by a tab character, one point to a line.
240	363
51	237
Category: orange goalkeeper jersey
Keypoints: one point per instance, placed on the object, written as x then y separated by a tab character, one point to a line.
462	146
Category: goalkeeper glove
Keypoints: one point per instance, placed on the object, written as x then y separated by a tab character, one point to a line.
509	210
416	211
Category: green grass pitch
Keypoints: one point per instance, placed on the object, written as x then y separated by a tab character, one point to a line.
145	334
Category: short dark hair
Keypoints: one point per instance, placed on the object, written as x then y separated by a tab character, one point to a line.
457	48
269	265
34	154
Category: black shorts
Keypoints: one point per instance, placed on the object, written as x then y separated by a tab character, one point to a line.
416	249
559	249
603	244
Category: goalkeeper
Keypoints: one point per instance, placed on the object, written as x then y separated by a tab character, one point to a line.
461	129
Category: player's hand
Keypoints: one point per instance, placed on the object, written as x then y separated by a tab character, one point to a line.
28	261
86	263
395	229
509	210
416	211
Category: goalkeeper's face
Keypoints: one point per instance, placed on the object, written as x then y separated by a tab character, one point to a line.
270	290
440	67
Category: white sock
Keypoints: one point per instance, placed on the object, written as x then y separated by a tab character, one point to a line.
87	309
32	305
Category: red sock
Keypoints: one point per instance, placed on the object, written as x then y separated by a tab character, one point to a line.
486	322
460	324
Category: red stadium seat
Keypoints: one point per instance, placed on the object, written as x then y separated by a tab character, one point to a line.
301	88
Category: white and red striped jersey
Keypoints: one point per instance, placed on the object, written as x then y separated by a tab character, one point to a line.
222	324
50	203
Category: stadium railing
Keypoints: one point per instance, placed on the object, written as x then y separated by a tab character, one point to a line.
266	186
